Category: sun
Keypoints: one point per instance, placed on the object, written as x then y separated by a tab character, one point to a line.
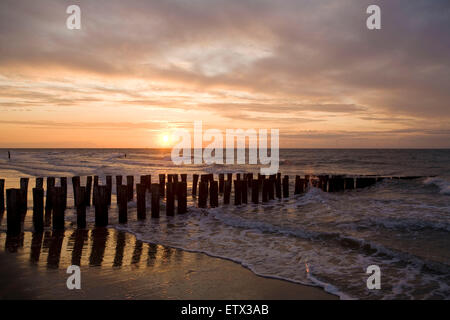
164	139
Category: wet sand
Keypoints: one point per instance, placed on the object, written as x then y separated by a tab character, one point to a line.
115	265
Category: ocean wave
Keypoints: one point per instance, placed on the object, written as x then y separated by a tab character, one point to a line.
442	184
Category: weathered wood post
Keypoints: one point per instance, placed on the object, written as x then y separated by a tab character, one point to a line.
298	187
75	184
265	190
205	178
230	177
109	188
140	195
272	180
286	187
48	196
13	211
221	182
249	180
58	208
244	191
255	191
162	184
183	177
237	192
149	182
349	183
63	184
227	192
214	195
170	199
203	194
40	183
194	184
118	183
87	196
38	209
95	185
101	206
238	176
80	203
122	203
2	195
181	197
143	181
155	199
24	188
278	186
130	186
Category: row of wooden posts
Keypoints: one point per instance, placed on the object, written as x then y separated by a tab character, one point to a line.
274	186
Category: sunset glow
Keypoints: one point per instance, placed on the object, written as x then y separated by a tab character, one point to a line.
325	81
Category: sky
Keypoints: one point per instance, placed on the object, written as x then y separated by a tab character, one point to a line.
137	70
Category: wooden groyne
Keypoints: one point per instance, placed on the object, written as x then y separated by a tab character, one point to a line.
172	189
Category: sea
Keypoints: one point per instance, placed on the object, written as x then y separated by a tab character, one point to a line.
319	239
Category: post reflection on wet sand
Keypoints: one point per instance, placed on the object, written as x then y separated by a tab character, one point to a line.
99	247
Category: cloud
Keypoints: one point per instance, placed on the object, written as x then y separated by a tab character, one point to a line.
254	61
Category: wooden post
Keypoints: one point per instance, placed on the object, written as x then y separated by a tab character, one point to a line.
149	182
75	184
143	180
237	192
249	180
2	195
109	188
238	176
286	187
130	186
101	206
122	203
230	177
214	195
183	177
155	199
140	195
88	190
349	183
272	180
265	190
58	208
227	192
48	196
63	184
94	194
244	191
162	183
40	183
118	183
170	199
194	184
38	209
80	203
14	208
255	191
181	197
24	188
298	187
203	194
221	182
278	186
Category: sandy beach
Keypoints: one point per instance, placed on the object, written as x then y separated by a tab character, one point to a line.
115	265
